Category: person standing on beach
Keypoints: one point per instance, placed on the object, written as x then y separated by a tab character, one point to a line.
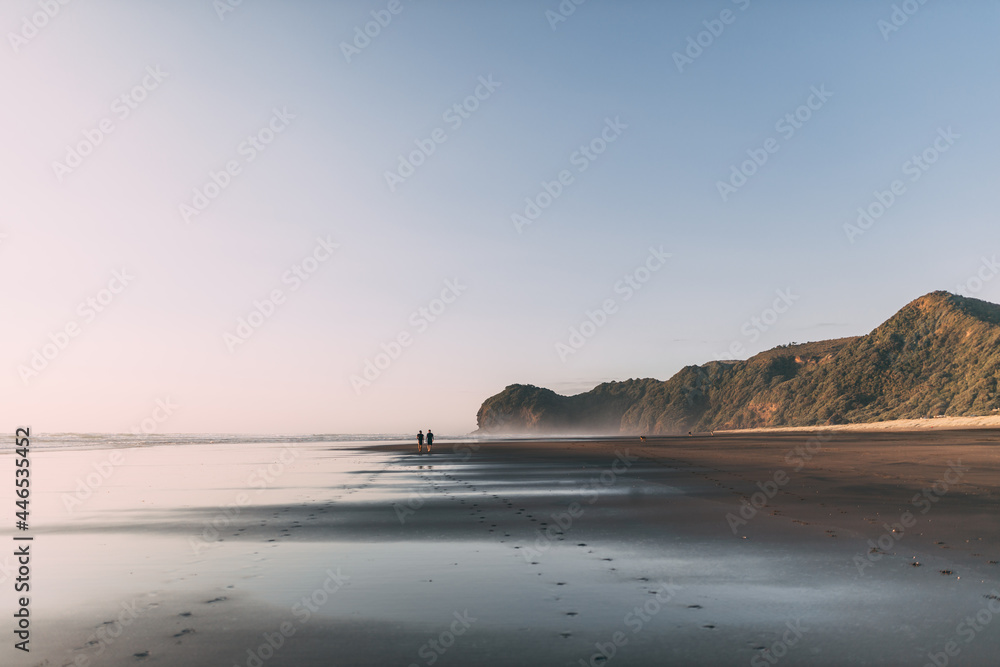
420	442
430	440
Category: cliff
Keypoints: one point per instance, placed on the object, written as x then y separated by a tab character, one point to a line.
939	355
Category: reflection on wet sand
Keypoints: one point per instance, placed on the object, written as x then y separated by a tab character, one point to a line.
551	553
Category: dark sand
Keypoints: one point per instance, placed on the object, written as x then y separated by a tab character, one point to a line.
547	550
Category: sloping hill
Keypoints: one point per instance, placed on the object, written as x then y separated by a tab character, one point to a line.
526	409
939	355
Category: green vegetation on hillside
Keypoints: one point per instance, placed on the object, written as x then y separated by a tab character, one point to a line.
939	355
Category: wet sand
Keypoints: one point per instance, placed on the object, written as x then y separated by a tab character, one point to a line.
556	552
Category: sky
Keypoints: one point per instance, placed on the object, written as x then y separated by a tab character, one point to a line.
368	217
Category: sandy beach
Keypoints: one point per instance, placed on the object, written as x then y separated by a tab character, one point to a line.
835	548
615	260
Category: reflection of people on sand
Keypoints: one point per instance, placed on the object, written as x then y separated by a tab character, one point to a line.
420	442
430	440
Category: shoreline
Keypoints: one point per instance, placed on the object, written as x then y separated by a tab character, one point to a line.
984	422
543	548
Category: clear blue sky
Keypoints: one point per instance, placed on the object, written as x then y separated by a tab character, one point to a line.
190	278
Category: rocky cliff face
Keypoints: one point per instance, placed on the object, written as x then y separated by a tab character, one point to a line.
527	409
939	355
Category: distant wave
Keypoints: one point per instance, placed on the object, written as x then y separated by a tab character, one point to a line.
122	440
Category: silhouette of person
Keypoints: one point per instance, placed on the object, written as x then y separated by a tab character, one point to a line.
430	440
420	442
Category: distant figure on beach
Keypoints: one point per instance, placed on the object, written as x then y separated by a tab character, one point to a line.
430	440
420	442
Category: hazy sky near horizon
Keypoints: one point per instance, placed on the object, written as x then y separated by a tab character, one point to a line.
128	269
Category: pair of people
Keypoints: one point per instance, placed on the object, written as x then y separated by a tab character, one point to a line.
420	440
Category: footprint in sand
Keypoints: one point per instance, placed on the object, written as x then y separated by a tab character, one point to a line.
218	599
694	606
140	656
185	631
